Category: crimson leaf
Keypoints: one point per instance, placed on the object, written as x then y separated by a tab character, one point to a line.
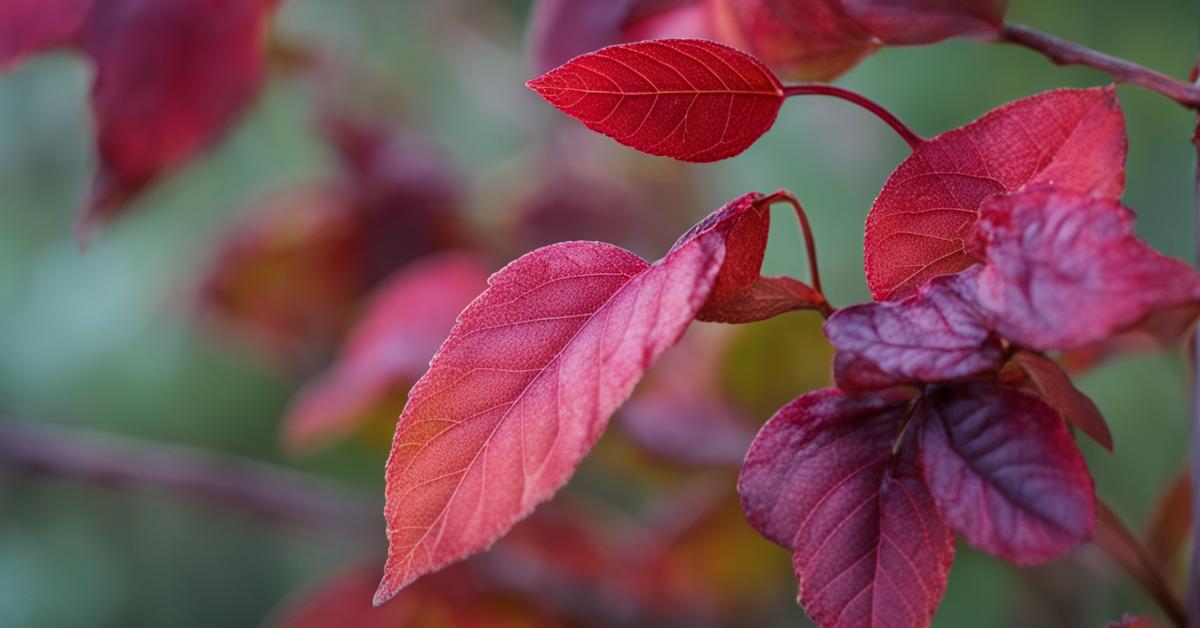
527	380
823	479
1074	138
933	336
1065	269
803	39
1005	472
1055	388
689	99
926	21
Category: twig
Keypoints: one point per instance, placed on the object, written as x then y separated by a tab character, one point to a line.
1063	52
819	89
1193	599
1114	537
271	492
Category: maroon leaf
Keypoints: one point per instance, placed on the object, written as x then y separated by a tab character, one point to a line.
935	335
1005	472
822	479
803	39
387	350
29	26
525	384
692	100
171	76
926	21
1065	269
1074	138
1055	388
766	298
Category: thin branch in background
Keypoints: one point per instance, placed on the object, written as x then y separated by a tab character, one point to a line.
263	490
1063	52
1193	600
1114	537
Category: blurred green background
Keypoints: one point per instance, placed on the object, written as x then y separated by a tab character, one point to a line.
100	340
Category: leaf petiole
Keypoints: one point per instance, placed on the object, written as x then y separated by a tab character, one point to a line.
814	270
819	89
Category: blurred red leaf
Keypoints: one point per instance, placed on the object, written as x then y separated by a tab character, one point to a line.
344	600
802	39
171	76
1170	524
935	335
1074	138
1064	269
926	21
1129	620
692	100
387	351
1054	386
249	289
1005	472
29	26
525	383
827	478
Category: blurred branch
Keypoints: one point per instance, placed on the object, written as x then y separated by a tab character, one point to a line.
1063	52
267	491
1114	537
1193	600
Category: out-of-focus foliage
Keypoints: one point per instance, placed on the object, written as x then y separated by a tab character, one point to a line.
106	339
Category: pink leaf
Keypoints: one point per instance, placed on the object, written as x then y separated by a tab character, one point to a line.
1054	386
822	479
29	26
388	349
935	335
525	384
1074	138
1005	472
688	99
1064	269
926	21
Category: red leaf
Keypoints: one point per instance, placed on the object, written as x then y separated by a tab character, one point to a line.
561	30
935	335
171	75
926	21
1065	269
1074	138
388	350
1055	388
525	383
803	39
1170	526
1129	620
692	100
1005	472
29	26
767	297
821	478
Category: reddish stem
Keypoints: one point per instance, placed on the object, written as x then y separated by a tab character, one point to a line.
1063	52
819	89
1115	539
810	245
1193	600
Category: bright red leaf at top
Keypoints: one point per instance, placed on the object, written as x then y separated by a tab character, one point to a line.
526	382
692	100
1064	269
1005	472
926	21
830	478
388	350
935	335
1074	138
171	75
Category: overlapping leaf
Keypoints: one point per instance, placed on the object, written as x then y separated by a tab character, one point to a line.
29	26
1005	472
826	478
1074	138
527	380
935	335
1054	386
387	351
1064	269
692	100
926	21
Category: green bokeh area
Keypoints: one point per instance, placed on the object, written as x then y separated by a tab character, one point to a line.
99	340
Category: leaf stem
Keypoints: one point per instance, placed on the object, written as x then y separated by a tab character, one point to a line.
1193	600
1115	539
810	245
1064	52
820	89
